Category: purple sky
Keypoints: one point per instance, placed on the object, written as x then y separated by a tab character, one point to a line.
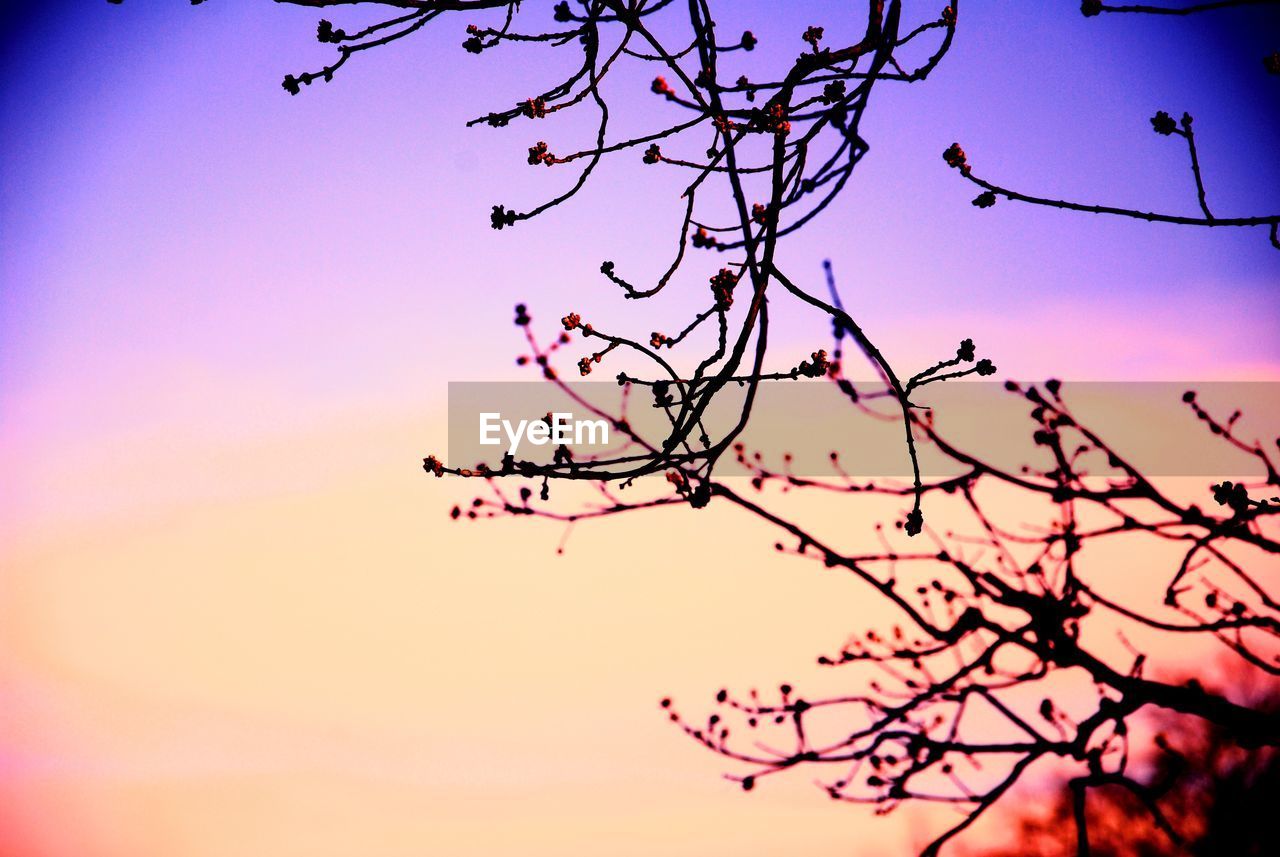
164	199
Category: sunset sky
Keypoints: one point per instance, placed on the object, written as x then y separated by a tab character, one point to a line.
235	617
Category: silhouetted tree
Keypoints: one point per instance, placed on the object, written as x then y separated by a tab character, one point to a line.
777	150
987	624
996	622
1201	793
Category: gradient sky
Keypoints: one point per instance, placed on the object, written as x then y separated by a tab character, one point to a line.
234	618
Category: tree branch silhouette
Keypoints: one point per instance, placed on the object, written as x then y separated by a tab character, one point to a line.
809	117
1199	792
990	621
1163	124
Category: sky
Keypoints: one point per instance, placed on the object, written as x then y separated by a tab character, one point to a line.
234	615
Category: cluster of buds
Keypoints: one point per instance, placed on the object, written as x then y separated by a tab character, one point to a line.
722	288
703	239
967	351
1047	435
500	217
539	154
773	120
1233	495
949	16
986	199
743	83
1089	8
833	92
955	157
678	480
749	41
1163	123
534	108
473	44
652	154
293	85
1272	62
584	365
325	32
813	35
571	321
661	87
760	214
703	78
819	366
561	11
723	123
433	465
657	340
